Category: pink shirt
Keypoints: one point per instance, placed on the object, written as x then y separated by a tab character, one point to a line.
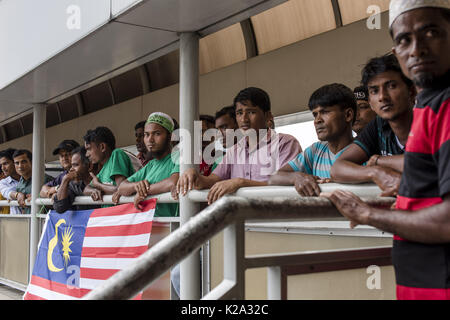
258	163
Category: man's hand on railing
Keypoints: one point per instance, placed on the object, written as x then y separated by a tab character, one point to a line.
137	201
188	180
116	197
221	188
21	198
97	195
350	206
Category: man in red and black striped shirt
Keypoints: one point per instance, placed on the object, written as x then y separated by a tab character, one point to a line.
421	252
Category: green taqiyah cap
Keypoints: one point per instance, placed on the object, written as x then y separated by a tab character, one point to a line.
162	119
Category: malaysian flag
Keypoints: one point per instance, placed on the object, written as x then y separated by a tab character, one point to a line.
79	250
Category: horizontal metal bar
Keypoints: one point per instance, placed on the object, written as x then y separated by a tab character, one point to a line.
361	190
203	226
316	257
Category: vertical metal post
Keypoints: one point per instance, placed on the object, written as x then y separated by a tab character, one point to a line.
233	257
37	179
274	283
190	272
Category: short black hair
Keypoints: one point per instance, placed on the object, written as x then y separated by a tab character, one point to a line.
176	125
99	135
21	152
82	152
207	118
378	65
8	153
230	110
258	97
333	94
140	124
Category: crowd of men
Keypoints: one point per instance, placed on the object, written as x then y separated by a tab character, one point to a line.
400	113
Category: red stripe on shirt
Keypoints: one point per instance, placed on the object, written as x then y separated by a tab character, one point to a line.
423	136
410	293
412	204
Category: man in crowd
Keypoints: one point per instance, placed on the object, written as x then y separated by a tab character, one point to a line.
421	224
116	166
63	151
381	143
205	167
365	113
253	159
140	146
161	173
22	162
226	120
8	185
334	108
73	183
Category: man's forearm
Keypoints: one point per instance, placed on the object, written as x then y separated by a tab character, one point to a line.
393	162
127	188
344	171
429	225
251	183
282	178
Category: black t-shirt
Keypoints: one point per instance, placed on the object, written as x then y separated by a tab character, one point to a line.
378	138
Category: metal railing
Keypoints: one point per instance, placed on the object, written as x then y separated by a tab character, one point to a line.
229	214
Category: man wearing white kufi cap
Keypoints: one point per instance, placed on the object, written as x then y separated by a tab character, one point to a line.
421	226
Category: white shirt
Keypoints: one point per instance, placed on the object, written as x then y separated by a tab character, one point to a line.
7	186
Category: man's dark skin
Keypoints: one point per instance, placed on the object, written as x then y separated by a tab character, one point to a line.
391	99
422	46
224	123
8	168
158	141
78	172
99	153
23	168
332	124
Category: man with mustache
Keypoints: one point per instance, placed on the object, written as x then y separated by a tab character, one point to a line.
334	108
381	144
251	161
421	223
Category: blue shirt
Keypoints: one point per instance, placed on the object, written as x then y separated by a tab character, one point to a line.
316	160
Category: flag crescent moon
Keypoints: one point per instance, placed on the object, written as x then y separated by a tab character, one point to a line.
51	246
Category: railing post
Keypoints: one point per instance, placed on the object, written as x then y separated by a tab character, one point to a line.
38	171
190	271
234	258
274	283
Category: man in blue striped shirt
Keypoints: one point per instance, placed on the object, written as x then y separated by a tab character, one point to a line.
334	109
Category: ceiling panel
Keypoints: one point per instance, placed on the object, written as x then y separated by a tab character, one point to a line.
222	48
292	21
191	15
354	10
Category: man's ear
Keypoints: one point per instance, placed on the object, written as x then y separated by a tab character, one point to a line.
102	147
350	115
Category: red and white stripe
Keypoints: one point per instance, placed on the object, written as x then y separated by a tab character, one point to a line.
114	238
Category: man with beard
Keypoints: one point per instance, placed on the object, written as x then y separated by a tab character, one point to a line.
381	143
421	224
334	108
161	173
225	119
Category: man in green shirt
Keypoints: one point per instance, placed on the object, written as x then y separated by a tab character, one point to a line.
161	173
22	162
116	166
